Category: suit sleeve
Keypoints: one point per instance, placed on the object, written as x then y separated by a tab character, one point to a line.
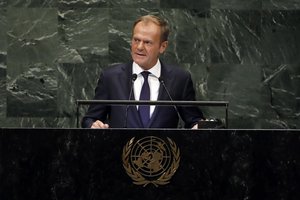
96	111
190	114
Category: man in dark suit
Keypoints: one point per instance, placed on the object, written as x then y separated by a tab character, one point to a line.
145	78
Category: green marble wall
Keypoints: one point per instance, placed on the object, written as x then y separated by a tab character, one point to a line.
242	51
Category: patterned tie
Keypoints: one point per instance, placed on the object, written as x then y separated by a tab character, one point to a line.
144	110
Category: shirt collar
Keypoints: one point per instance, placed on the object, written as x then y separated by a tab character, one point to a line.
155	70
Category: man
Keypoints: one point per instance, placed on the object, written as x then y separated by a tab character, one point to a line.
145	78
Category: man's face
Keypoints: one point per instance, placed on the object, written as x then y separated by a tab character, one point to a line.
146	44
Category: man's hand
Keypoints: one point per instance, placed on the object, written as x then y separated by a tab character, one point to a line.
99	124
195	126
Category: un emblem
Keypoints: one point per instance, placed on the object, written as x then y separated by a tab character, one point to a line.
151	160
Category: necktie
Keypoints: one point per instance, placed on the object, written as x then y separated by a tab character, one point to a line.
144	110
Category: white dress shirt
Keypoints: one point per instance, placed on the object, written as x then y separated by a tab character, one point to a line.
152	79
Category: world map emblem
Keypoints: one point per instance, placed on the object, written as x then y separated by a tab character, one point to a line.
151	160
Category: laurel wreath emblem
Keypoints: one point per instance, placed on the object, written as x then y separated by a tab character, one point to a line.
138	178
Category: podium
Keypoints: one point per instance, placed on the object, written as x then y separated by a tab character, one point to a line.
204	124
63	164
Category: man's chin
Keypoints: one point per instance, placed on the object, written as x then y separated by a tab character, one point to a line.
139	62
139	59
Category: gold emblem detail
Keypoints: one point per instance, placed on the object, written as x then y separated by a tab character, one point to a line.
151	160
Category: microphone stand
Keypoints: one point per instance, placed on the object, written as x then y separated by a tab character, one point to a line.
170	97
133	78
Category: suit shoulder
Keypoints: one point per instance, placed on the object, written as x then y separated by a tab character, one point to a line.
116	69
177	70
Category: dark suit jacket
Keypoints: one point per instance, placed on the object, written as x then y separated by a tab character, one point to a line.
115	83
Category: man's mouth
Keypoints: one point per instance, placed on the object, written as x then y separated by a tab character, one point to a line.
140	54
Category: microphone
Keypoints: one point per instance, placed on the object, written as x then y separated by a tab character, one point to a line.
133	78
169	95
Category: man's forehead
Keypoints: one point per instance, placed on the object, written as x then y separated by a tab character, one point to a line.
147	27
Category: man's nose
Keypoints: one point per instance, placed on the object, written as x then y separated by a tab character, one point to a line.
140	45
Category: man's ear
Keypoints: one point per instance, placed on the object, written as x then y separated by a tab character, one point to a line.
163	47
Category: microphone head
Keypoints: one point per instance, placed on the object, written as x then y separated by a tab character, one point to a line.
161	79
133	77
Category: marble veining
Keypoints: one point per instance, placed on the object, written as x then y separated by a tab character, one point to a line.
244	52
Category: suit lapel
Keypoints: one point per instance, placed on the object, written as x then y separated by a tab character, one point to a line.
133	115
162	95
166	75
125	79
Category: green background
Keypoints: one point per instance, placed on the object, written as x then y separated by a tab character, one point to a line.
242	51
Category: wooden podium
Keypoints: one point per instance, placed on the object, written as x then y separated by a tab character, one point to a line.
156	164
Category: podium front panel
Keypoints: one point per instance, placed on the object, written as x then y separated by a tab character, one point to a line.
160	164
